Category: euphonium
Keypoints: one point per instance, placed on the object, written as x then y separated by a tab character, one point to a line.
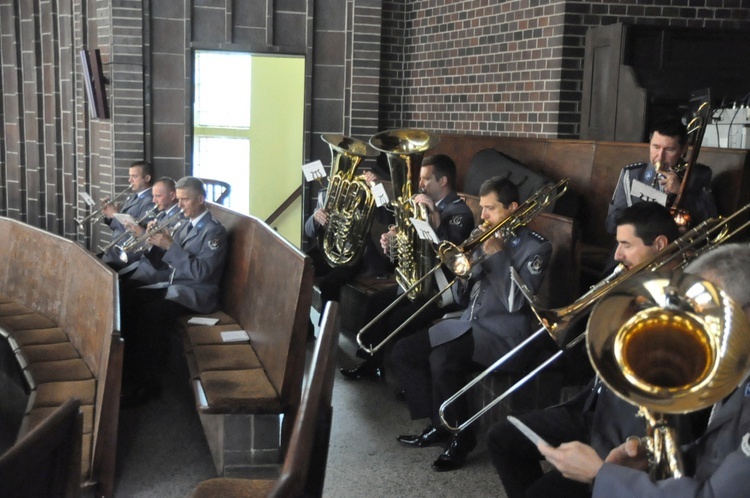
349	202
414	256
668	344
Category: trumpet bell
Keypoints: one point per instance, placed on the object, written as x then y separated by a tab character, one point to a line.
669	345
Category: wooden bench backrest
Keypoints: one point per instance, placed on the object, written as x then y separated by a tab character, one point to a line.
62	281
594	167
267	288
59	279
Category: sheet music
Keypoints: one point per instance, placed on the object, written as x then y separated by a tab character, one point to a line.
203	320
424	230
314	171
533	436
87	198
381	197
647	193
234	336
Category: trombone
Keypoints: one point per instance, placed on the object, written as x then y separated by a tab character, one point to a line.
556	322
458	257
135	243
125	233
97	215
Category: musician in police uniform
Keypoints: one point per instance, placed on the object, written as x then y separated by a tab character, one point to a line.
595	415
165	199
641	182
717	463
452	220
195	256
137	205
433	364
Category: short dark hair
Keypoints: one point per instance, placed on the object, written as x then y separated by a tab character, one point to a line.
671	128
147	169
506	190
192	183
442	166
168	182
650	219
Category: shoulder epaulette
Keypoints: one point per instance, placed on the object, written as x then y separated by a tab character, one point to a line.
635	166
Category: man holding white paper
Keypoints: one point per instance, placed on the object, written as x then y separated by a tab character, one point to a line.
140	175
646	182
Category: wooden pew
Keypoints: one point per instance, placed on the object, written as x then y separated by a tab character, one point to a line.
594	167
303	473
46	462
60	317
241	388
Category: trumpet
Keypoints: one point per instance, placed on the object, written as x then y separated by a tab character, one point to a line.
115	241
457	258
557	322
98	214
137	244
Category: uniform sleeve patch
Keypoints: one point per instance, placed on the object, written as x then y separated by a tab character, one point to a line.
456	220
214	243
535	265
745	446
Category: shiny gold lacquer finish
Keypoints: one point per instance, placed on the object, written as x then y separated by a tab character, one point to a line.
669	344
460	259
557	322
349	202
405	150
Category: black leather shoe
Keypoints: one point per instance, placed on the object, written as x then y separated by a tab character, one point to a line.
138	395
455	454
365	371
429	436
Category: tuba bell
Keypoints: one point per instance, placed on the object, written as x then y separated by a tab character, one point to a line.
669	344
349	202
415	257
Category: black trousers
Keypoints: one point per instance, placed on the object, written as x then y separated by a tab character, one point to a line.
147	322
430	375
397	316
518	462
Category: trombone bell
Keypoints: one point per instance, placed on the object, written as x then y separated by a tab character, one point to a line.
670	347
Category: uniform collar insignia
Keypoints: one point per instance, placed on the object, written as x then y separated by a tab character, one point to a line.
649	175
515	241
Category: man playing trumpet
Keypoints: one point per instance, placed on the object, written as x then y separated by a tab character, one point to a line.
140	176
165	198
194	255
433	363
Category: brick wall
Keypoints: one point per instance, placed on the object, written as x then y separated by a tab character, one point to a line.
511	68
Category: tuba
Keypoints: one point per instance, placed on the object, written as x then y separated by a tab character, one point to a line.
405	149
349	202
669	344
